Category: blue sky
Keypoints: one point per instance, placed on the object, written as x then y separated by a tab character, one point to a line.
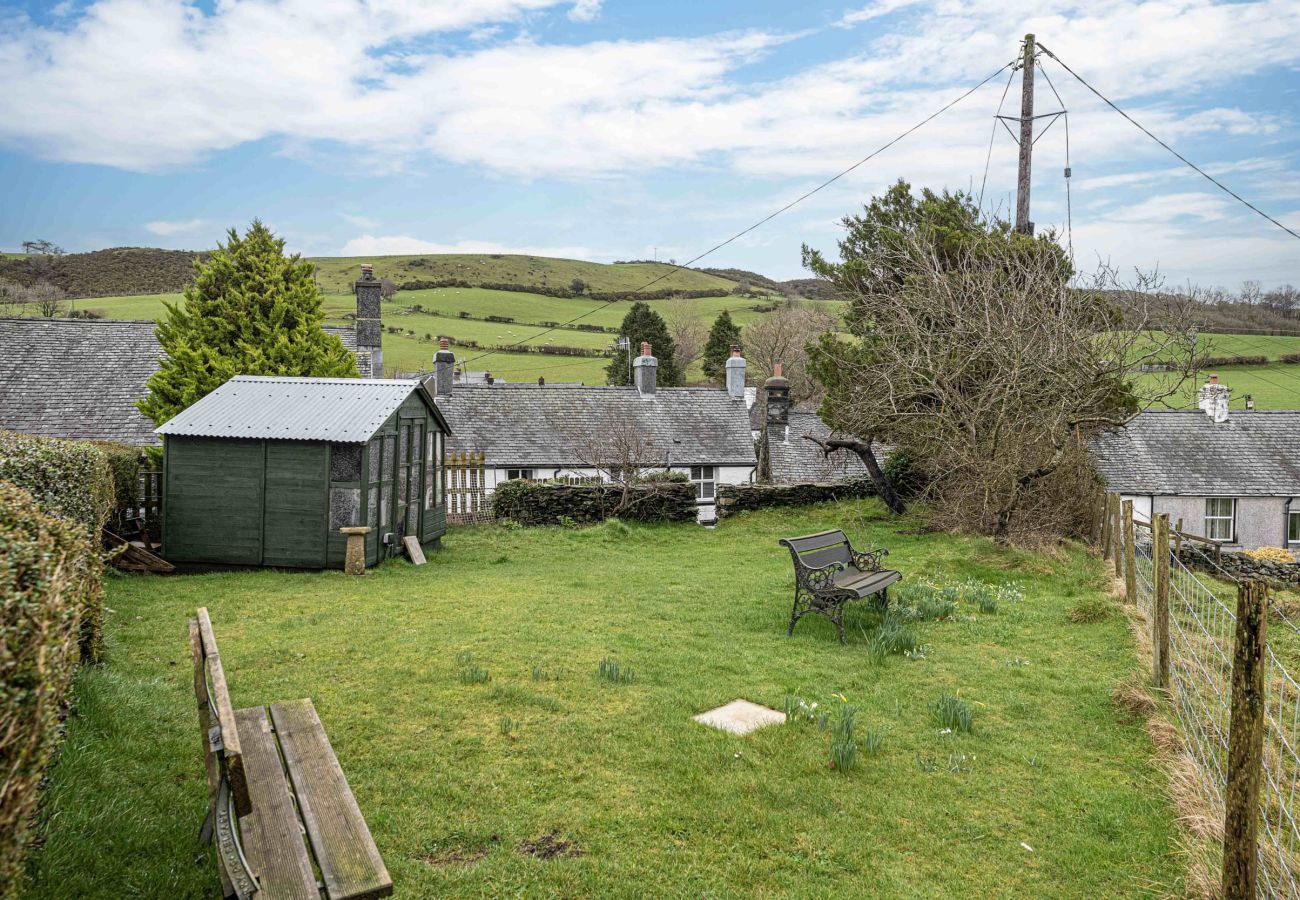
617	129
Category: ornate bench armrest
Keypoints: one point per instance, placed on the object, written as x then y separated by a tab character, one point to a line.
869	561
818	579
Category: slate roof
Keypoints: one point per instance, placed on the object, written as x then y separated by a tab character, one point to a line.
532	426
80	378
1256	453
794	460
343	410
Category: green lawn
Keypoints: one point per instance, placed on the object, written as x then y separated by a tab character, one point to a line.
656	804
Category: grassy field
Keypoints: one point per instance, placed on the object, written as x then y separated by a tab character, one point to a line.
1052	793
336	274
1274	386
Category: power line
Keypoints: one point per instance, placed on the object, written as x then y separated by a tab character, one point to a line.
994	133
763	221
1207	176
1069	213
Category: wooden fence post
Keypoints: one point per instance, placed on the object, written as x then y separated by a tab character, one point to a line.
1130	555
1105	526
1117	534
1245	744
1160	619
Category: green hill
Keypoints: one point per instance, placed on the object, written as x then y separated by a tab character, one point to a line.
122	271
336	274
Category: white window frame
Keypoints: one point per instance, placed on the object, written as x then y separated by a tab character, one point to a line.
1218	517
519	474
1293	527
705	478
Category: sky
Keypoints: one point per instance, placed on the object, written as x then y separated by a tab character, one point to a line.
638	129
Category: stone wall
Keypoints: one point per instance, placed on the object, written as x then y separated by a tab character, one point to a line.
734	498
1242	567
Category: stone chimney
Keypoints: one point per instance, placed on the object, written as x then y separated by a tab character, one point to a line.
369	326
645	372
1213	399
777	391
444	363
736	375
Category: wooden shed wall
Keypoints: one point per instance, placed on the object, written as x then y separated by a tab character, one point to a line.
212	509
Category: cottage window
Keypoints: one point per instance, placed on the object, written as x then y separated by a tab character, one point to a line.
519	474
1293	527
705	479
1220	518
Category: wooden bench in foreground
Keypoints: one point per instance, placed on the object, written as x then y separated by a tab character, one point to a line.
829	573
279	806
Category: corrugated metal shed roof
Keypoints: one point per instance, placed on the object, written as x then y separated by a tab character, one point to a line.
344	410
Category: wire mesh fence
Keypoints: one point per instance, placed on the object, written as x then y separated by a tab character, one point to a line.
1202	627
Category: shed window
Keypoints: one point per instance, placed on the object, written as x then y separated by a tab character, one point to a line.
345	462
372	507
345	507
433	466
1220	518
376	451
1293	527
705	479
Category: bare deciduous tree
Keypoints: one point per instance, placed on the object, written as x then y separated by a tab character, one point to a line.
783	335
620	450
686	330
46	299
992	369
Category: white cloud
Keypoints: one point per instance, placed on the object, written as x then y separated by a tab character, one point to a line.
403	245
166	229
585	10
873	11
359	221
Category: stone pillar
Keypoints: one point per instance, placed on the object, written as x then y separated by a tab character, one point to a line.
354	561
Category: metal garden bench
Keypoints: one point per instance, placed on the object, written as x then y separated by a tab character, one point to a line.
829	573
277	799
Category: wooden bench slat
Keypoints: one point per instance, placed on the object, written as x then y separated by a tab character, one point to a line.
271	836
816	541
225	716
345	852
211	765
838	553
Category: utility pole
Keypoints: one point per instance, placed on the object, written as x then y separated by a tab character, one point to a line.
1023	225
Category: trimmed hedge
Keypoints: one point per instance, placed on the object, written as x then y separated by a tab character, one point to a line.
544	503
73	479
124	468
49	576
735	498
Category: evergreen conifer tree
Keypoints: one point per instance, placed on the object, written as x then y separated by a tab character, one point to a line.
724	335
644	324
249	311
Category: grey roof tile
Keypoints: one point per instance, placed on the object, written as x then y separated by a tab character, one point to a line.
1182	452
80	378
529	425
796	460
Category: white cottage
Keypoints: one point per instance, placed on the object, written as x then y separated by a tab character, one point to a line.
581	433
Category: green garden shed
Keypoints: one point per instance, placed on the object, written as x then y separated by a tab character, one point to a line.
264	471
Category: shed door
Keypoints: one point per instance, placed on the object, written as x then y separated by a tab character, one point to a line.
296	513
410	442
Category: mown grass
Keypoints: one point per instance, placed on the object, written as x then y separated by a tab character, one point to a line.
643	801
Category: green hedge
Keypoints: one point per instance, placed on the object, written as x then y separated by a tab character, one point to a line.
73	479
544	503
734	498
124	468
49	576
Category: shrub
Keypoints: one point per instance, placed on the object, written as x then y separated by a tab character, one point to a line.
904	473
124	469
73	479
544	503
1290	357
1270	554
49	575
